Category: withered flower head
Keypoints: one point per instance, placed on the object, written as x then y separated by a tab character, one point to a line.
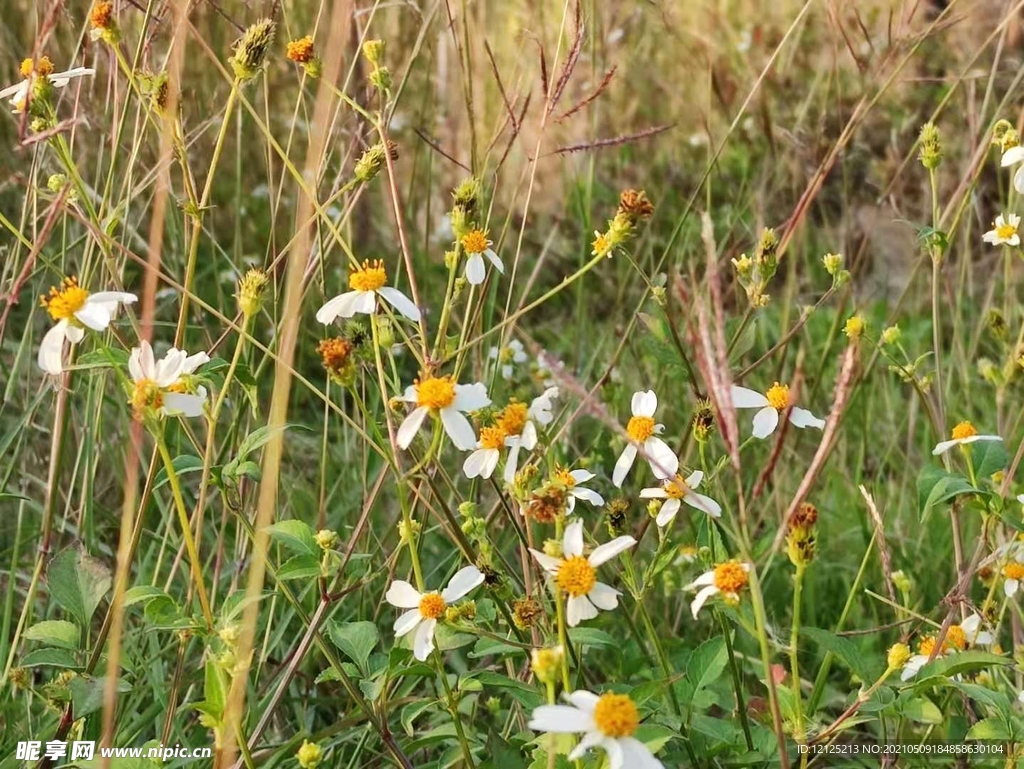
635	204
251	49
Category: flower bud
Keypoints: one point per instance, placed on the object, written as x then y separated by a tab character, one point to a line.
854	327
251	289
326	539
833	263
930	153
373	50
891	335
546	663
897	656
309	755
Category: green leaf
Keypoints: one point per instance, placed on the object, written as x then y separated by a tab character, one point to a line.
703	668
935	486
988	729
300	567
954	664
143	594
215	689
261	436
183	465
589	636
48	655
295	535
488	647
920	710
845	651
988	457
102	358
526	695
355	639
54	632
78	582
87	693
716	729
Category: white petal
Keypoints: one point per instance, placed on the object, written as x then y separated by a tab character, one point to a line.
707	578
471	397
745	398
403	595
183	404
914	664
694	479
663	461
73	333
51	349
614	750
407	622
16	92
464	580
970	626
475	272
458	428
192	362
667	513
644	403
572	541
1012	156
976	438
590	740
170	368
701	598
511	463
655	492
636	755
765	422
582	476
607	551
61	79
341	306
587	495
560	719
410	426
94	315
112	298
703	503
577	609
493	259
1018	180
984	638
542	405
423	643
584	700
548	563
400	302
529	436
1010	587
603	596
799	417
623	465
943	446
147	361
476	463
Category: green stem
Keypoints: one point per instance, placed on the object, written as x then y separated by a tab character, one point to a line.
794	651
454	710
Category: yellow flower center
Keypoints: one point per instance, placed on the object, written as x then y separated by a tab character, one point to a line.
730	577
475	242
64	301
492	438
778	396
964	430
640	429
956	637
146	395
616	716
601	244
101	14
1014	570
369	277
677	488
687	551
300	51
926	646
564	476
432	606
1005	231
435	392
512	418
576	576
43	67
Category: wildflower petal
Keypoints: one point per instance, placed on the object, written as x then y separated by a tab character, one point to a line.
587	495
1012	156
169	368
623	465
61	79
588	741
146	362
765	422
183	404
799	417
1010	587
476	463
579	608
572	541
407	622
341	306
636	755
607	551
94	315
667	513
914	664
584	700
73	333
707	578
654	492
475	271
547	562
51	349
15	92
745	398
470	397
192	362
701	598
410	426
1018	180
611	746
694	479
703	503
400	302
403	595
464	580
976	438
458	428
644	403
423	641
493	259
660	456
943	446
603	596
561	719
542	406
582	476
511	462
529	436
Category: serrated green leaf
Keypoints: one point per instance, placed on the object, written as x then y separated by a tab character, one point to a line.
355	639
845	651
295	535
49	655
988	457
703	667
300	567
590	636
183	465
935	486
78	582
988	729
53	632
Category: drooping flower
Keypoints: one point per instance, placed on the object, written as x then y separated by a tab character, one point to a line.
163	386
576	575
963	434
39	72
520	426
770	405
1013	157
75	310
1004	231
677	490
608	721
477	246
958	638
643	435
441	397
367	283
727	578
573	481
424	609
511	355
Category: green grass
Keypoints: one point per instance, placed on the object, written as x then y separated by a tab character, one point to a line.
173	580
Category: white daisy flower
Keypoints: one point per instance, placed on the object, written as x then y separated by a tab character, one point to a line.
643	435
547	366
520	426
477	246
678	489
576	575
608	721
963	434
511	355
75	310
481	463
685	555
958	638
770	405
1012	157
161	385
426	608
1004	231
17	94
727	578
1013	573
367	283
573	480
443	398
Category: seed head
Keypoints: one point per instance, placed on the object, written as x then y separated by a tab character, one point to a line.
251	49
251	290
371	161
930	153
373	50
635	204
898	655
